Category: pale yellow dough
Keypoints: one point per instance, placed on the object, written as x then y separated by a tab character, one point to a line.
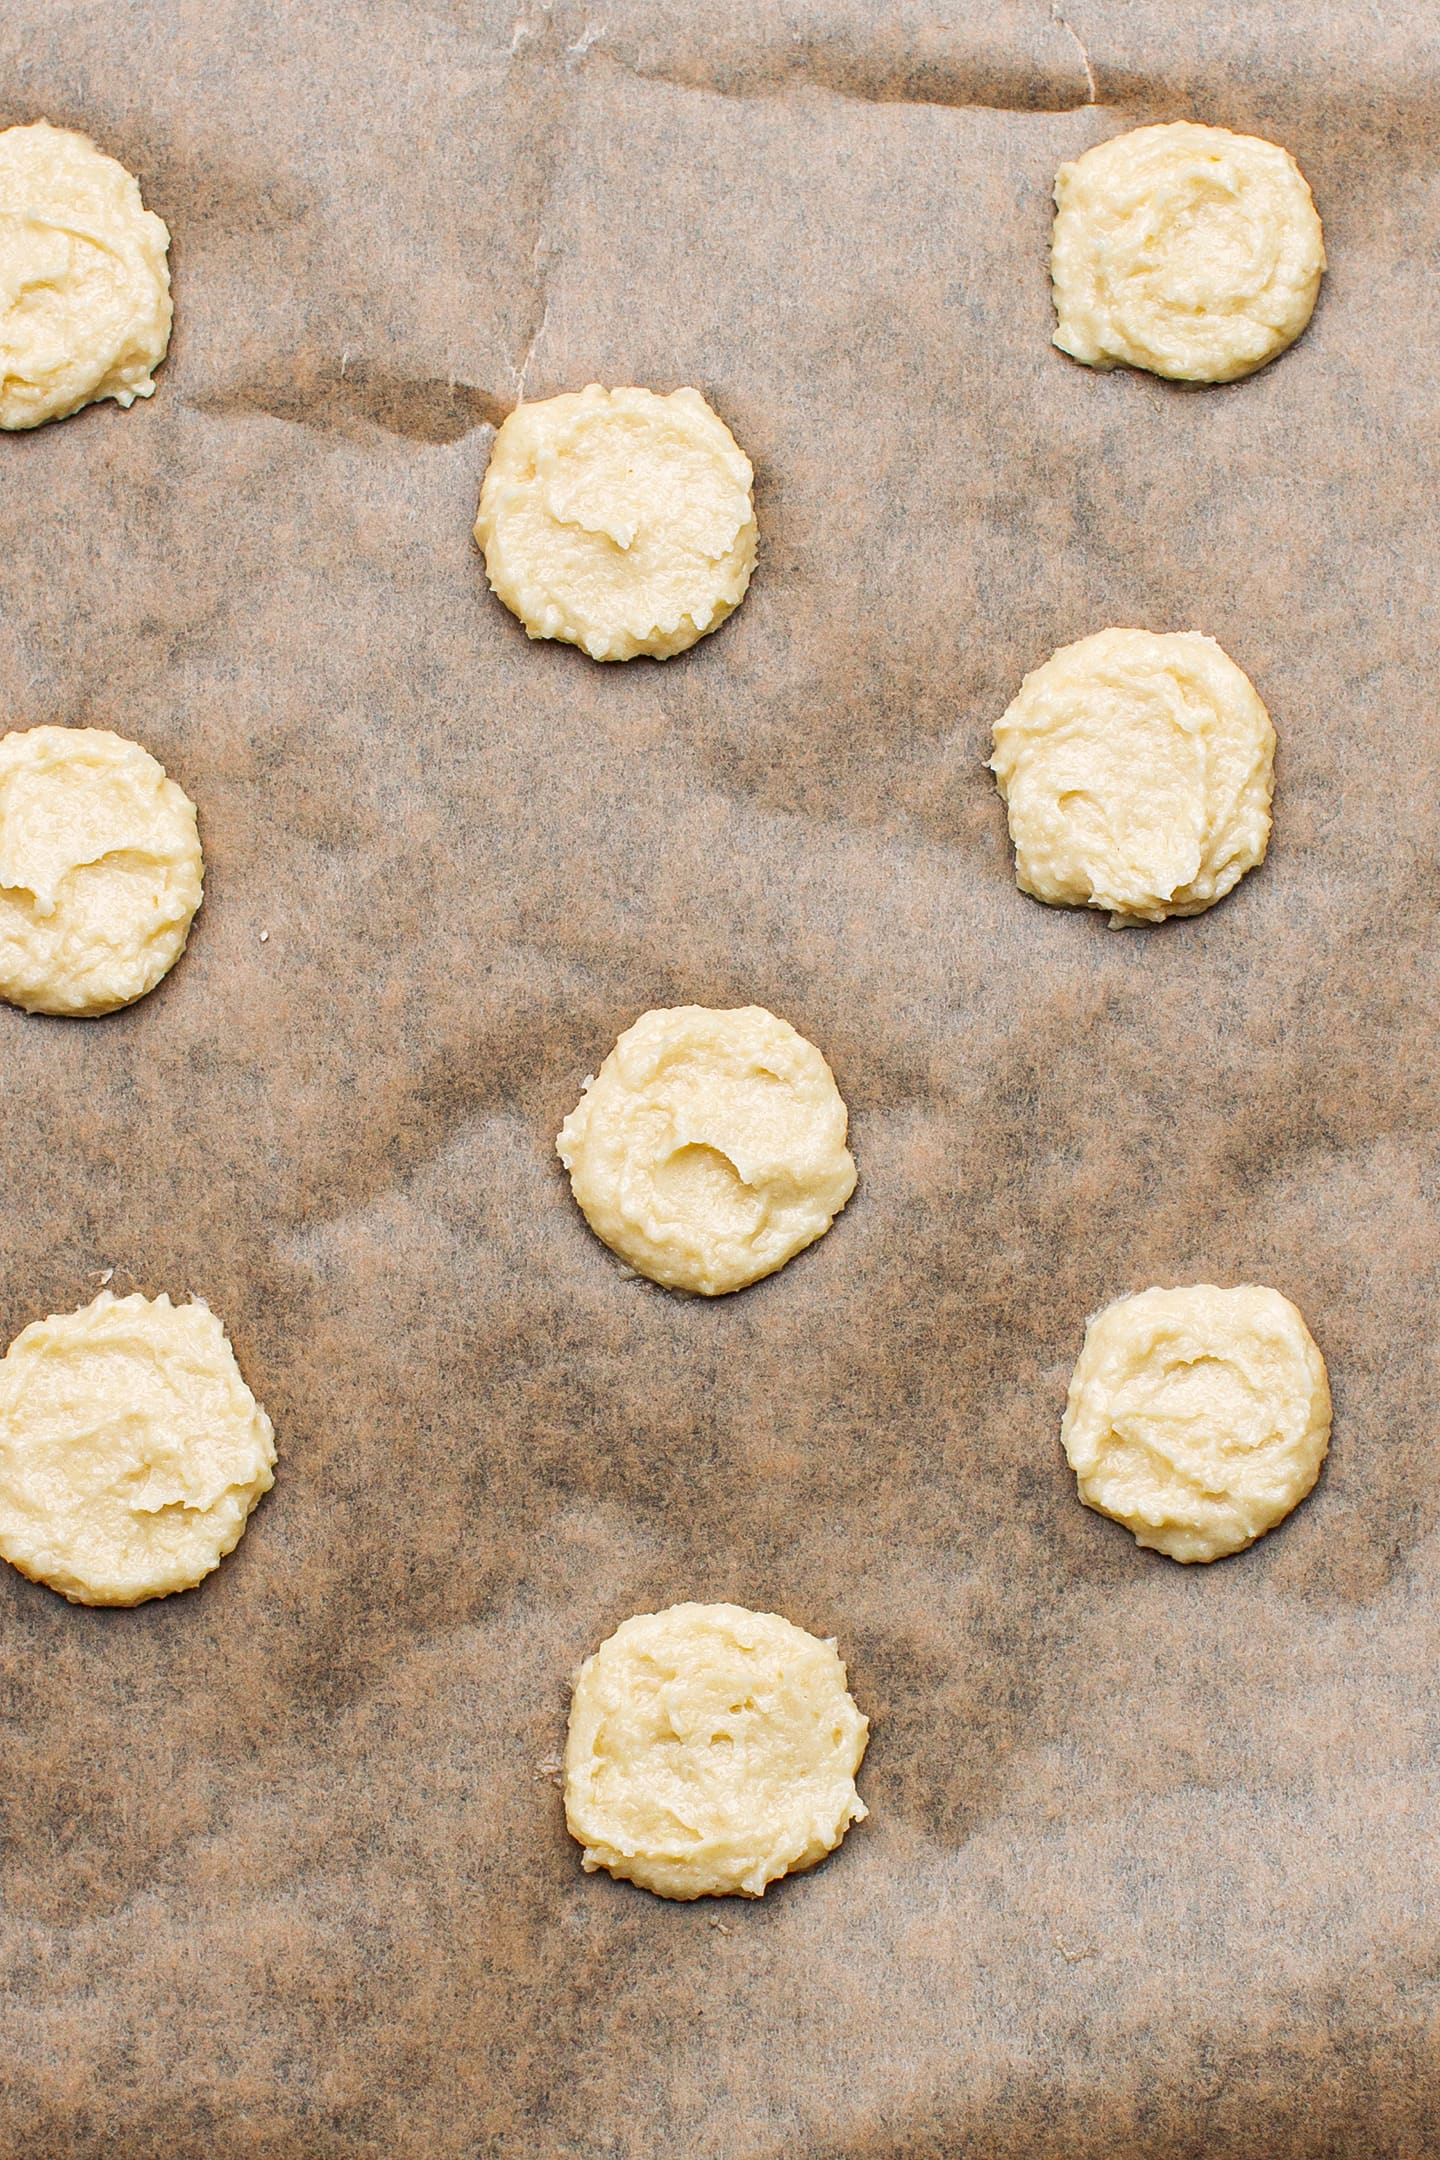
131	1451
1137	770
618	520
1198	1417
84	281
100	871
710	1148
1186	250
711	1750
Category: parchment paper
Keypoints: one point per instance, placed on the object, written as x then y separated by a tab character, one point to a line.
1152	1863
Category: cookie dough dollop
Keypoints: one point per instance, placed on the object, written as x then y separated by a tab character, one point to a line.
710	1148
618	520
1137	770
1186	250
131	1451
100	871
711	1750
1197	1417
84	281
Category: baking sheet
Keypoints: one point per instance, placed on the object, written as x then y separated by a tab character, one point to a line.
1151	1867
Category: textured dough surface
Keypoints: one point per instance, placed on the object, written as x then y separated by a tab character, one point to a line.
1186	250
131	1451
1198	1417
711	1750
618	520
710	1147
100	870
1137	771
84	280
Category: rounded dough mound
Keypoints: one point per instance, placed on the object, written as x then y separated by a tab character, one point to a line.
1137	770
618	520
710	1148
1186	250
84	283
711	1750
100	871
1198	1417
131	1451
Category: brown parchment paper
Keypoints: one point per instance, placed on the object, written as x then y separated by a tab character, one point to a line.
1152	1863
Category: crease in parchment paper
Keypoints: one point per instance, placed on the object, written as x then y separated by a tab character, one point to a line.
1092	95
767	77
333	396
530	26
858	60
539	41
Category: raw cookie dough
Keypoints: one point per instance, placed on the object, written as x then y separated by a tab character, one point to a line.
1197	1417
618	520
84	283
131	1451
1186	250
1138	771
710	1148
711	1750
100	870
